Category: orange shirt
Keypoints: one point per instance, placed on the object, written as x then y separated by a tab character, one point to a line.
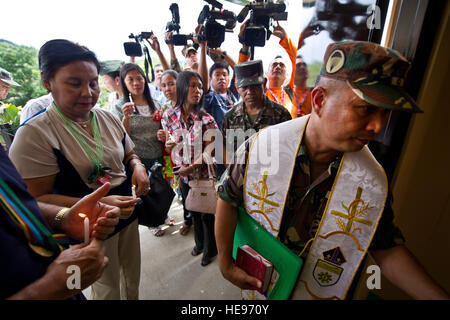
302	100
280	96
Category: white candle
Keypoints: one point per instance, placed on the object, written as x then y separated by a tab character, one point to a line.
86	227
131	99
133	191
86	230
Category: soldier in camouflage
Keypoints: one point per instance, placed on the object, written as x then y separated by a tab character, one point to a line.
255	111
360	83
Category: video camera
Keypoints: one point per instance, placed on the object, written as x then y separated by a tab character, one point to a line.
134	49
262	13
174	25
214	32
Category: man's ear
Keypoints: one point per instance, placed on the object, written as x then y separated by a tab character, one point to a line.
117	80
317	100
45	83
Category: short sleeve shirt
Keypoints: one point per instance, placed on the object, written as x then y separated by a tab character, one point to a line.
33	148
188	134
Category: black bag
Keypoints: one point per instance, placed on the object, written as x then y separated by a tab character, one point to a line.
155	205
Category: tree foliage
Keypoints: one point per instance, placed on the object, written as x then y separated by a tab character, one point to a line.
22	62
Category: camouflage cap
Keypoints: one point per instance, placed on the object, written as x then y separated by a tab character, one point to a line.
249	73
109	66
6	77
375	74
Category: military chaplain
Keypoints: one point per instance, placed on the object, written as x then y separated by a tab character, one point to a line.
328	201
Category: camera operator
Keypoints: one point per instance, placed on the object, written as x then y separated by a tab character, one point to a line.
277	68
221	95
190	54
302	93
277	72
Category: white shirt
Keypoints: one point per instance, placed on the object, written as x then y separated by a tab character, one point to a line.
33	106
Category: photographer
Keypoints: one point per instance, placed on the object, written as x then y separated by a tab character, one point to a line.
221	95
190	54
277	72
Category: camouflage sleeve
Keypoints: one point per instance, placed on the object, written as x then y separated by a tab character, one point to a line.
175	65
286	116
388	235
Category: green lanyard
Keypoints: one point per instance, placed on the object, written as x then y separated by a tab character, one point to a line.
95	157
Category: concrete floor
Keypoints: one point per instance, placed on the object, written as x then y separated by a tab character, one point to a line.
169	272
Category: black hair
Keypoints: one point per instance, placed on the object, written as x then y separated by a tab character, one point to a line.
170	72
183	80
57	53
218	65
299	56
127	67
113	74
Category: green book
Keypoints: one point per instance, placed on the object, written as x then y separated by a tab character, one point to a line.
285	262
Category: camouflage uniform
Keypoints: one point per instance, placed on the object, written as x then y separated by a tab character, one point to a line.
305	203
376	75
270	114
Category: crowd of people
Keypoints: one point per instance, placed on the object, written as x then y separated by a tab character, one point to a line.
83	158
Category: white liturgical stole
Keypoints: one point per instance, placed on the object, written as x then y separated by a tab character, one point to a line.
349	221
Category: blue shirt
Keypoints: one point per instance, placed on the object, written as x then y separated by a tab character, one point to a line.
217	106
157	94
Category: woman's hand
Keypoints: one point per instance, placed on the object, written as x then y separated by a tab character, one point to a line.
184	171
128	109
161	135
102	218
140	180
126	204
170	144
